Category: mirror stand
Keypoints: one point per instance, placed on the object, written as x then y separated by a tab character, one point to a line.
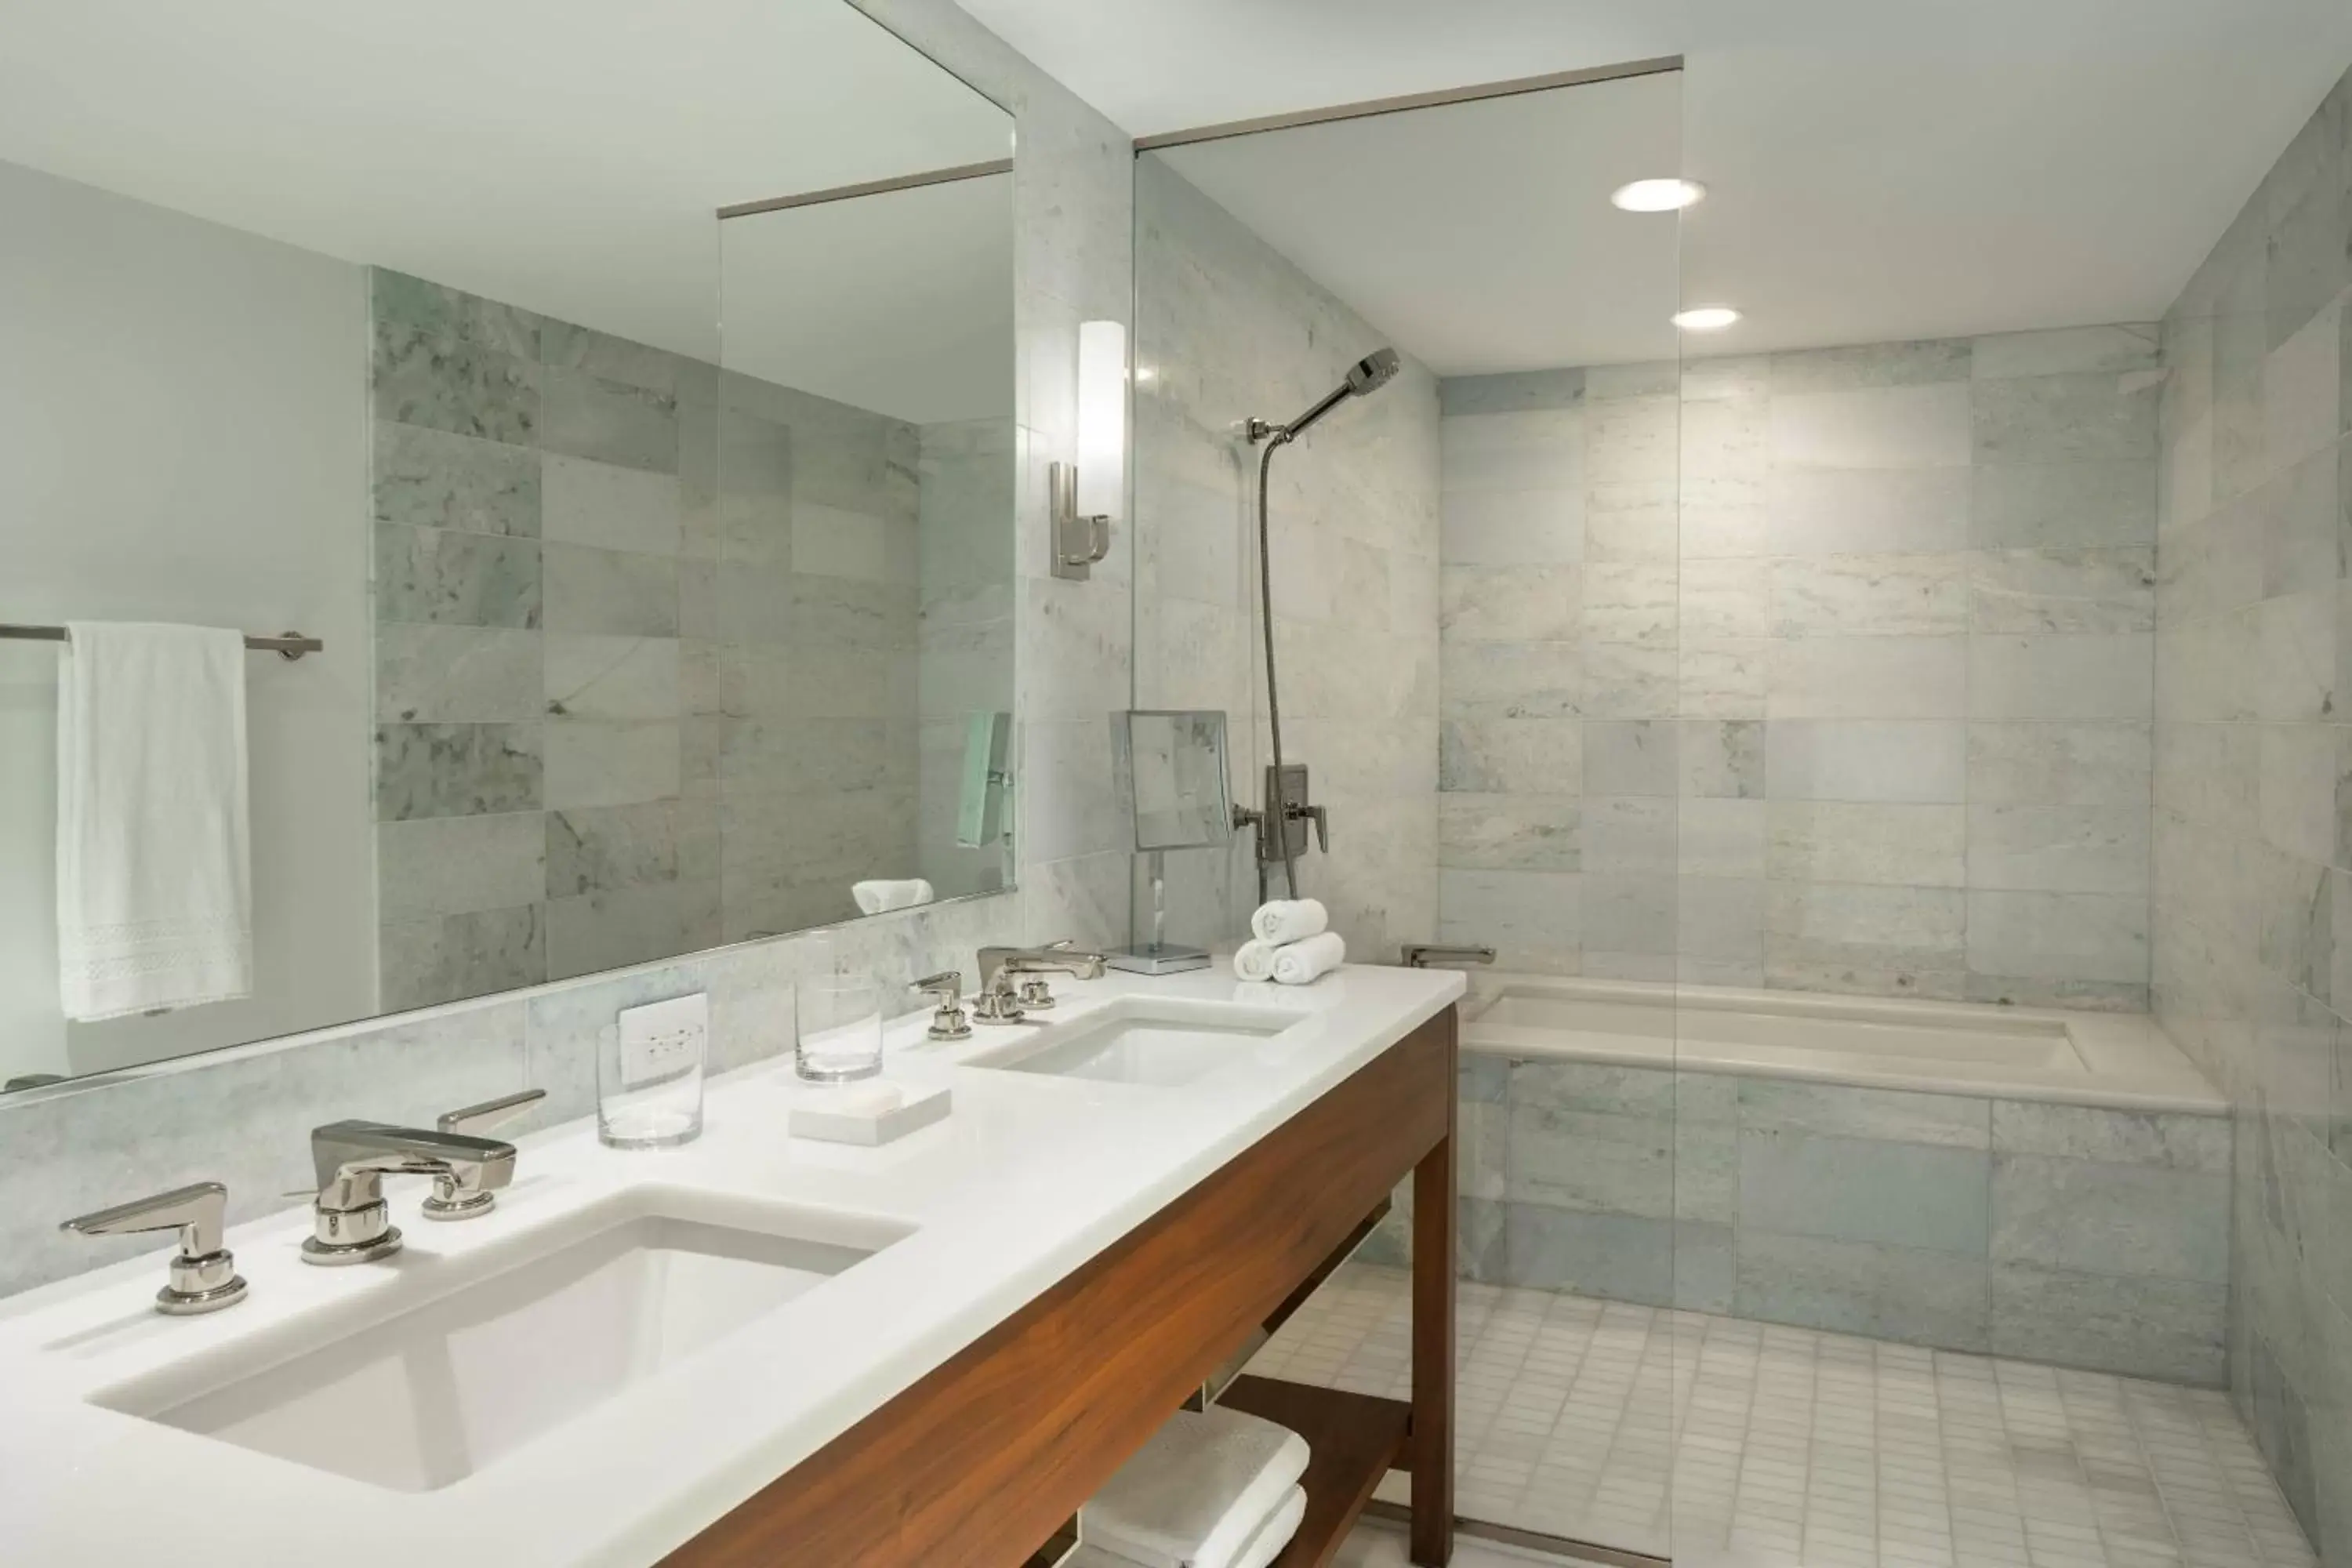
1158	956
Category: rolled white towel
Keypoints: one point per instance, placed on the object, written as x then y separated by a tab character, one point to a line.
881	898
1254	960
1285	920
1262	1549
1305	963
1198	1492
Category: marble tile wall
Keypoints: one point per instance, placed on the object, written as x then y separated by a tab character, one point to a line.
964	639
646	647
243	1116
1826	670
2253	782
1227	329
2049	1233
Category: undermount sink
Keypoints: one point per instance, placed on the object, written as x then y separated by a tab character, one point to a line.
415	1394
1158	1042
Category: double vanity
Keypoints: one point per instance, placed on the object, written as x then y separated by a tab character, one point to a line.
758	1348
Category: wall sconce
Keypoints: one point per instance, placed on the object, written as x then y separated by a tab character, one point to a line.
1084	496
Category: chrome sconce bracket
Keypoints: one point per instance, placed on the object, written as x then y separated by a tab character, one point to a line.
1078	542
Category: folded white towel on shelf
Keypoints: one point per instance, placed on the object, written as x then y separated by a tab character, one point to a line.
155	870
1254	960
881	898
1260	1550
1198	1492
1284	920
1305	963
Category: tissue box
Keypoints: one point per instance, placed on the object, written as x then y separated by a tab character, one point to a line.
853	1112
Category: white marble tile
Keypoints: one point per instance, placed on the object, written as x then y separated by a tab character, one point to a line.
1870	678
1866	760
609	506
1843	841
1879	427
1859	595
2104	676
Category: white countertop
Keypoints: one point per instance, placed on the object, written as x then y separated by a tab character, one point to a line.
1029	1178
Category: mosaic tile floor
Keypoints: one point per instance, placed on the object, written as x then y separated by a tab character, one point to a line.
1789	1449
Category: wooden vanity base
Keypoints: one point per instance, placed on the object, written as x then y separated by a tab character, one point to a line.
984	1458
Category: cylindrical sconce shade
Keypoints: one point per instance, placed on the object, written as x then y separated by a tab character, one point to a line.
1102	419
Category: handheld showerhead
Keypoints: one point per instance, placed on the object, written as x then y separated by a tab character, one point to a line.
1366	376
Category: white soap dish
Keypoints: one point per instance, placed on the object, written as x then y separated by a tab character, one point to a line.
873	1111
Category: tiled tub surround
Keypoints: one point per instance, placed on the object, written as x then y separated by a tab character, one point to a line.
2002	1221
1228	328
1869	714
646	646
2253	782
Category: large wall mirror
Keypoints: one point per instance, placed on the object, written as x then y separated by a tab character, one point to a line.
627	411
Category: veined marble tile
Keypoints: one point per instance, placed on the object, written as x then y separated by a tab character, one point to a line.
2059	764
1720	919
1851	596
1628	680
455	770
614	591
1632	441
1633	521
1918	362
609	931
602	762
565	346
2300	788
2111	1137
1599	1164
2093	416
1512	680
1507	832
1521	602
436	575
1747	376
1879	511
457	674
1839	841
597	849
398	298
457	865
832	542
1628	757
2298	659
1922	1195
1508	527
1631	602
1623	1258
1870	678
2302	390
1726	438
1629	834
447	958
613	507
2051	504
593	677
446	384
1903	1293
1511	756
1721	838
1726	598
2059	848
1650	378
2103	675
1820	929
2058	935
1920	761
1536	911
1880	428
2170	1329
1510	393
1841	1111
846	612
1630	914
1724	520
2302	515
610	421
1724	678
1721	759
431	479
2025	591
2067	350
2130	1220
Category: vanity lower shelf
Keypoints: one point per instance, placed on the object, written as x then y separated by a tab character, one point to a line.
1354	1440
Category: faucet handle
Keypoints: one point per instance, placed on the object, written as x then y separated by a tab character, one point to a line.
449	1198
204	1277
949	1021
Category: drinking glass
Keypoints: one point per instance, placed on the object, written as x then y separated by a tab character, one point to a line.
649	1095
840	1019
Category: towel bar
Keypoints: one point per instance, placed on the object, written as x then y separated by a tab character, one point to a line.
289	646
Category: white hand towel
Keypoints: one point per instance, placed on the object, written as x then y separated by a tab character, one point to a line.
1288	919
1260	1550
1197	1491
881	898
154	879
1254	960
1305	963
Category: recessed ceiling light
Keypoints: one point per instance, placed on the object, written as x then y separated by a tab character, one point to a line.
1658	195
1705	318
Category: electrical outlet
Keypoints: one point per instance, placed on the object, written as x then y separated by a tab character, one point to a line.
662	1039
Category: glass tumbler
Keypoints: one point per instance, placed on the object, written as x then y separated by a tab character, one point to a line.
649	1092
840	1019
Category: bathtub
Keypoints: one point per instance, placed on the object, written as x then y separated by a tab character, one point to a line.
2116	1061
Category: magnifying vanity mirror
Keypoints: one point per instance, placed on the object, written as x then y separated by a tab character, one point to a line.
623	413
1173	766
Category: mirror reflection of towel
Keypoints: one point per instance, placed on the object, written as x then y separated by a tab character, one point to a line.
154	879
881	898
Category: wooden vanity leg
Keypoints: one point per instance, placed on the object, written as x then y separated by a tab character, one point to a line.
1432	1344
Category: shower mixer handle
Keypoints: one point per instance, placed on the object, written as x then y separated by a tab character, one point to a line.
1320	816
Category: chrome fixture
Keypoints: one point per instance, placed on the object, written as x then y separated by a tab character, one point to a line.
288	645
997	1003
204	1277
1287	805
948	1020
350	1221
1422	955
450	1199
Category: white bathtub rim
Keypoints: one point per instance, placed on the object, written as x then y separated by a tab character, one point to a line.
2133	1064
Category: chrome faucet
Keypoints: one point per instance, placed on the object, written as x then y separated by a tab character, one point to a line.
350	1221
997	1002
204	1277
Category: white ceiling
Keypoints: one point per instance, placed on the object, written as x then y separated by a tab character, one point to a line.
564	155
1881	168
1475	233
917	300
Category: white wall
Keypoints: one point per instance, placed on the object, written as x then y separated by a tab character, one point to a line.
182	427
